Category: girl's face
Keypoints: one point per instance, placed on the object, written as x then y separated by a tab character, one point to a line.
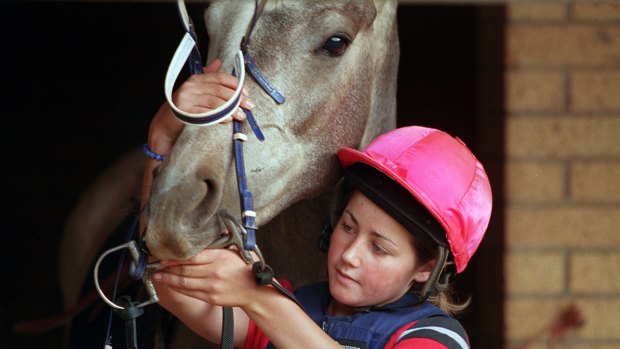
371	258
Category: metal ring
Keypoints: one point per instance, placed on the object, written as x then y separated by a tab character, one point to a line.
96	278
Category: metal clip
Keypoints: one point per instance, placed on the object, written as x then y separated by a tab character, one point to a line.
146	277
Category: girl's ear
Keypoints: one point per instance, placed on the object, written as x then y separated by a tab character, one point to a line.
423	272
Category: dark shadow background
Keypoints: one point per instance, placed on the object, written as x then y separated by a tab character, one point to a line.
80	82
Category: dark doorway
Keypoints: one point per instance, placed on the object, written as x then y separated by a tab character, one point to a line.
450	78
80	83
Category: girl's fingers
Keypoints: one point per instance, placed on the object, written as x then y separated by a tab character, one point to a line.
224	80
197	102
219	78
239	115
247	103
210	91
213	66
178	282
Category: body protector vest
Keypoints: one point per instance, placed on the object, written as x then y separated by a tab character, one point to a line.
370	329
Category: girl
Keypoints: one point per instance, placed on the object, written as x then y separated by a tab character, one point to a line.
416	206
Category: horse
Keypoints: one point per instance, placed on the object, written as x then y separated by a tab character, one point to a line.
336	62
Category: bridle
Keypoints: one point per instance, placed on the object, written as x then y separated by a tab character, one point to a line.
241	234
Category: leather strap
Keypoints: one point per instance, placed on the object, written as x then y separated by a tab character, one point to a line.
258	76
228	329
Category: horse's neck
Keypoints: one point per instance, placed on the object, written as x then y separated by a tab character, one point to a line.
290	241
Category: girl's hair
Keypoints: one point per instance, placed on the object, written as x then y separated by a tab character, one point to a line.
444	298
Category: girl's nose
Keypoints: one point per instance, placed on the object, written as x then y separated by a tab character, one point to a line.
352	253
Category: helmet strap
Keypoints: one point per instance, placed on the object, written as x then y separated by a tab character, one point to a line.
439	278
339	199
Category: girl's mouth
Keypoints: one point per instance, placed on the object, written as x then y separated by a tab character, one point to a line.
344	277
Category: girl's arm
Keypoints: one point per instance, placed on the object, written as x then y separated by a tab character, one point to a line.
285	323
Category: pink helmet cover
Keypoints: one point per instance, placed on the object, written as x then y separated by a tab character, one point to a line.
442	174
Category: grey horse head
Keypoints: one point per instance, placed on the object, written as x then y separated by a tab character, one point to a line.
335	61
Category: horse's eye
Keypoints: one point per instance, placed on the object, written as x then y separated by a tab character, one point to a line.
336	45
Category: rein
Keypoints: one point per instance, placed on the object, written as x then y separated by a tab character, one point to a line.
241	234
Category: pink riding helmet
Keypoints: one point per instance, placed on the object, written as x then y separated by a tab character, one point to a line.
442	174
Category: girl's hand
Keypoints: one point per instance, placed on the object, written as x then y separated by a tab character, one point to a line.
193	289
200	93
218	277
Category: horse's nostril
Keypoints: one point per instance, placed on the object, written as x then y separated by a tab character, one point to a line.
210	188
210	194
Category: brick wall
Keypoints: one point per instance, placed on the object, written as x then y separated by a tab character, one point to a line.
562	168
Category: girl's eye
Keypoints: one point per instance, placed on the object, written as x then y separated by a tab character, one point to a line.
347	227
336	45
379	250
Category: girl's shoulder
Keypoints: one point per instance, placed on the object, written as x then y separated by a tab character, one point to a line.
435	332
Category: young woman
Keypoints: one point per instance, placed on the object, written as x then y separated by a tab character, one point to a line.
416	206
